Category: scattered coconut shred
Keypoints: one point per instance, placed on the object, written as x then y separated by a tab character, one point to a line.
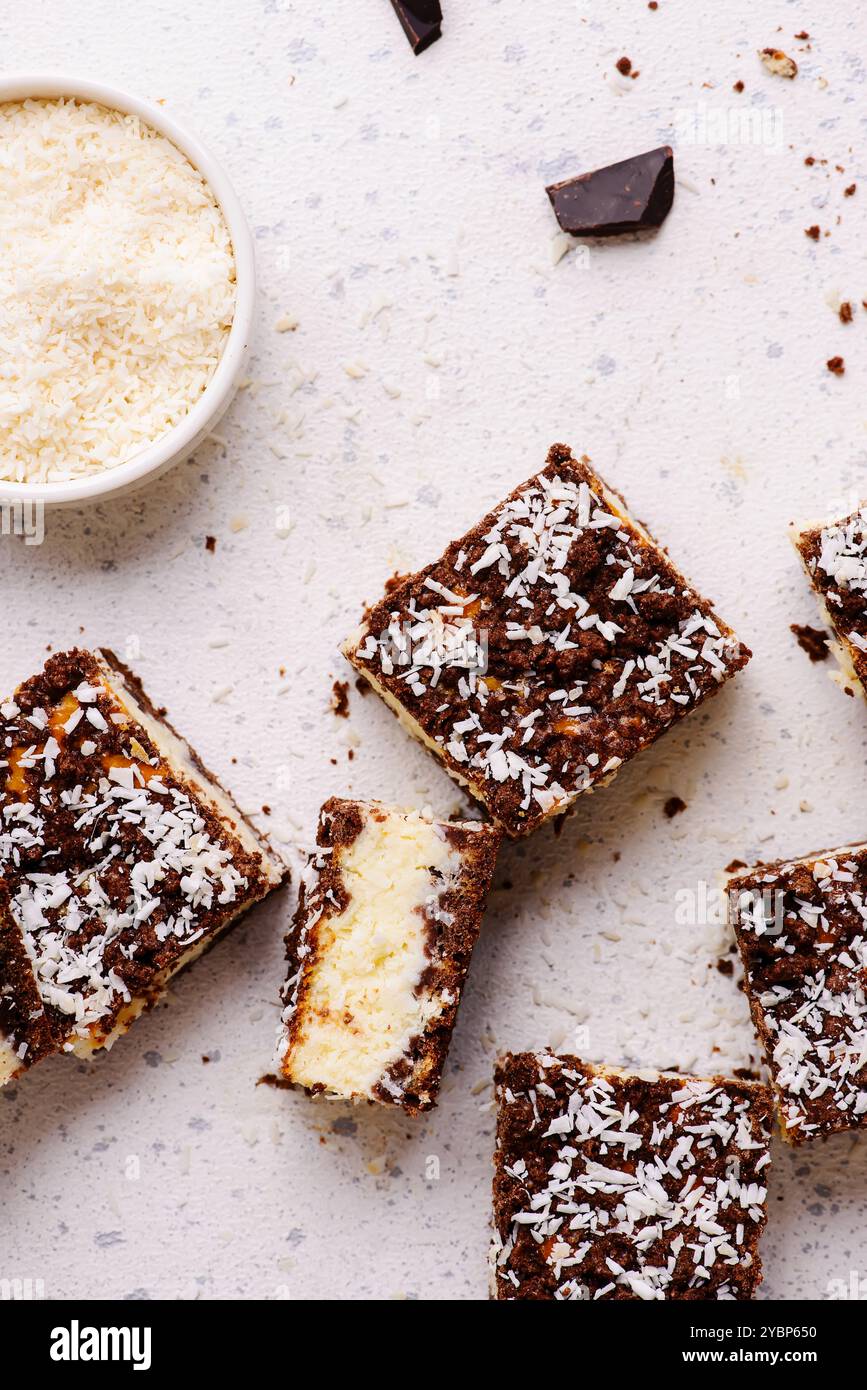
117	288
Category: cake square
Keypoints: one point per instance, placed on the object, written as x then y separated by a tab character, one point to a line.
801	928
388	915
626	1185
545	648
834	554
121	858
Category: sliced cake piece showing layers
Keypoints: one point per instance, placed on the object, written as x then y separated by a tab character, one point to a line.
546	647
620	1185
834	554
121	858
801	928
389	913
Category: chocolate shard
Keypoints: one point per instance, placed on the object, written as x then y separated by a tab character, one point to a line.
623	197
422	22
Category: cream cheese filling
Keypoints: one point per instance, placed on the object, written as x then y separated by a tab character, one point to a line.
362	1001
10	1062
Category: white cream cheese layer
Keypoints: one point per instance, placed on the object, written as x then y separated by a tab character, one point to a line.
362	1003
10	1062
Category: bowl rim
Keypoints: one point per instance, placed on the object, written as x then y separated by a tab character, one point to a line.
170	448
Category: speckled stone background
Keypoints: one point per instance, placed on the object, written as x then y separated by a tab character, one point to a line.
400	218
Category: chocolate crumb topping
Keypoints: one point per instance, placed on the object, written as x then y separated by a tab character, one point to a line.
115	867
548	646
835	558
610	1185
800	929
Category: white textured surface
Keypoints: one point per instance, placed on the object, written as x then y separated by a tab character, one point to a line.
400	215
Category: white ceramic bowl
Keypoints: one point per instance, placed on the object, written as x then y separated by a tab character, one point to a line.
186	436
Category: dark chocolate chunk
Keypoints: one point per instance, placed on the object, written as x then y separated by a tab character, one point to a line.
624	197
422	22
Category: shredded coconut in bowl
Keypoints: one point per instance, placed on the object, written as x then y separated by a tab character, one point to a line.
117	288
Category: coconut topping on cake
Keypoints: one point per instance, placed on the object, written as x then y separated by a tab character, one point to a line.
114	865
835	558
546	647
619	1186
805	962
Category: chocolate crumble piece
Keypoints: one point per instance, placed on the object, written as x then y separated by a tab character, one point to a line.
390	909
800	929
845	312
811	640
210	544
630	196
340	699
625	1186
546	647
674	806
421	20
834	556
738	86
121	858
813	232
624	66
836	365
850	191
279	1083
